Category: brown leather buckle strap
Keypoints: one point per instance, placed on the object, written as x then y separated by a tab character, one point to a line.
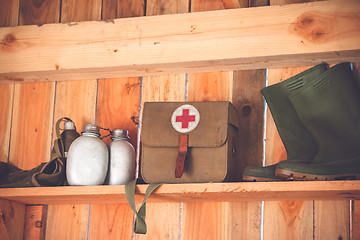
180	161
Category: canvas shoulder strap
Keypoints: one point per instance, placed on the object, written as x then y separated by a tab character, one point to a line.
140	224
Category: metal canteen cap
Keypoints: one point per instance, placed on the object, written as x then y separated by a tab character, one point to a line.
120	133
91	128
69	125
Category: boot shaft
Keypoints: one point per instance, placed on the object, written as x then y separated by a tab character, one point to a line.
330	109
298	141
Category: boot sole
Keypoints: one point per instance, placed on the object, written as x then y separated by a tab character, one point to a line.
291	175
259	179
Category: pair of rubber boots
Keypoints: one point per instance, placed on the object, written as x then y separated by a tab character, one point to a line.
317	115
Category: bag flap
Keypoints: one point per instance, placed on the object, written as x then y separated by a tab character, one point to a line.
211	131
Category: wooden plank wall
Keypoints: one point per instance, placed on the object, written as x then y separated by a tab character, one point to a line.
30	110
299	219
75	99
163	218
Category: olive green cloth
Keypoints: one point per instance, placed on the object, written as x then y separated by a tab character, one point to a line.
46	174
50	173
140	224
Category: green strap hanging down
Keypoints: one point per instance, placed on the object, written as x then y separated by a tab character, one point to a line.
140	224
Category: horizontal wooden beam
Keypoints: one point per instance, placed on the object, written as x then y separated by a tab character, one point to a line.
250	38
218	192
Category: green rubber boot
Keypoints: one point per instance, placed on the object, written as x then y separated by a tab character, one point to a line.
298	141
330	108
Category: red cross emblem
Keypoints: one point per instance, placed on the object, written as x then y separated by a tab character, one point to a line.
185	118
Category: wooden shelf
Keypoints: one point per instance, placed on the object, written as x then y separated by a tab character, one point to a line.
205	192
272	36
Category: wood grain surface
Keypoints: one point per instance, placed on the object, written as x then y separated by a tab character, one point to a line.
39	12
76	100
207	220
69	221
191	193
35	223
118	100
355	221
33	103
12	214
197	42
12	220
6	103
29	111
31	124
80	10
299	219
9	13
163	219
227	220
122	9
284	219
9	16
247	99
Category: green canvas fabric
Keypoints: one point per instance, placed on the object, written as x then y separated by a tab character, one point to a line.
329	107
50	173
299	143
46	174
140	224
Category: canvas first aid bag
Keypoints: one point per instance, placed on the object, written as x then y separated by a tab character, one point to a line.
186	142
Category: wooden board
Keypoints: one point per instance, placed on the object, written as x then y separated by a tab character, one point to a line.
12	220
35	223
161	7
298	219
332	219
284	219
76	100
33	103
122	9
80	10
6	103
194	192
12	214
206	5
118	100
206	220
9	15
225	220
355	220
204	41
163	219
213	86
111	221
69	221
39	12
246	216
249	102
31	124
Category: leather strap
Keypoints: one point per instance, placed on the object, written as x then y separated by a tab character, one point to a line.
140	224
180	161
